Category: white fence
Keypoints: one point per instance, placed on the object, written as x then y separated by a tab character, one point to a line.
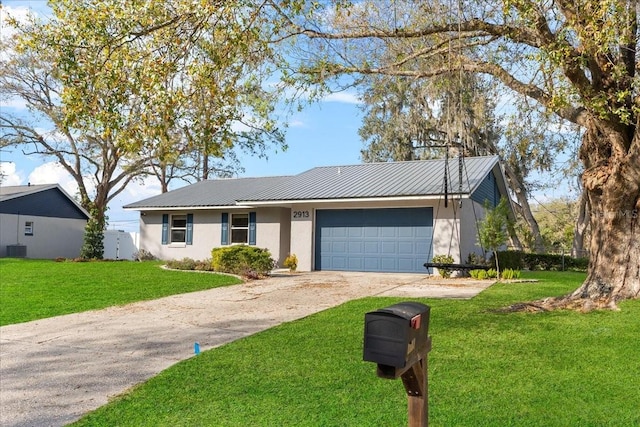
120	244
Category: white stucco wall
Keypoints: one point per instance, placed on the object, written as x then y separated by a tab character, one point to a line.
52	237
271	223
207	231
302	232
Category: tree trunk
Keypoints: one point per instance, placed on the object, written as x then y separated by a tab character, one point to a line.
614	263
582	221
612	186
523	208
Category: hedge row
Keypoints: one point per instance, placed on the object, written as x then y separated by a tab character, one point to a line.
519	260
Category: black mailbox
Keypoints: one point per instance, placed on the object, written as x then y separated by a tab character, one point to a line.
396	336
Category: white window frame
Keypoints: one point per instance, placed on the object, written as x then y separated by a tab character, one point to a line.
233	228
28	228
173	228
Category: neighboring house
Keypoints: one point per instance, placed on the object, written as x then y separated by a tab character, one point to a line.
386	217
40	221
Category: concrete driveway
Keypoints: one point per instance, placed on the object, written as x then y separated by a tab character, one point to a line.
52	371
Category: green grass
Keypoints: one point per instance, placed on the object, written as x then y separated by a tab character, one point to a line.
35	289
485	369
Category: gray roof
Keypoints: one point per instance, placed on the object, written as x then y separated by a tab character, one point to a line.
12	191
379	180
367	180
16	191
208	193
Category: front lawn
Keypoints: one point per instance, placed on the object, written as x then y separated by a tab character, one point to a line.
485	369
35	289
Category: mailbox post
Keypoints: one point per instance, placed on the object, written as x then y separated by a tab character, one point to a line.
397	339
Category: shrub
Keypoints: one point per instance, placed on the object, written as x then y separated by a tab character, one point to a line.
492	273
183	264
204	265
510	259
518	260
510	274
476	274
291	262
244	260
443	259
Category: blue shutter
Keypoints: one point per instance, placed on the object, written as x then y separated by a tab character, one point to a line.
224	240
252	228
165	229
189	229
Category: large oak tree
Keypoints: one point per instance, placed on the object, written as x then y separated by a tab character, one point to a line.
577	59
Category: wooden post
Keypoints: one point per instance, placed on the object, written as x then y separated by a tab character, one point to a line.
417	386
417	394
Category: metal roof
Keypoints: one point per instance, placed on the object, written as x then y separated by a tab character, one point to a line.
367	180
15	191
208	193
9	192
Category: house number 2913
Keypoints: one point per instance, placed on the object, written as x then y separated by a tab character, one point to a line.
301	214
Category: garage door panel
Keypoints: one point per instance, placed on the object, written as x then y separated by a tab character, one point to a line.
371	264
406	248
371	247
355	232
356	247
371	232
355	263
338	248
404	232
389	264
407	264
388	232
421	248
396	239
422	232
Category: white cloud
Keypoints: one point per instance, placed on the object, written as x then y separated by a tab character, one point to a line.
10	176
53	173
294	123
345	97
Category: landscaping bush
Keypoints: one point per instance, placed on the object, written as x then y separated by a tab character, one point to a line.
443	259
478	274
510	274
492	273
509	259
291	262
183	264
518	260
247	261
190	264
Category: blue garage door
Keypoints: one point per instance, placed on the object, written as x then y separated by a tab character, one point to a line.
385	240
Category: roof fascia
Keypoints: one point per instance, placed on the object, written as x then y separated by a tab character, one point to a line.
351	200
191	208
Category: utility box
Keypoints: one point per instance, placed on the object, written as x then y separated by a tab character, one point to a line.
396	336
16	251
